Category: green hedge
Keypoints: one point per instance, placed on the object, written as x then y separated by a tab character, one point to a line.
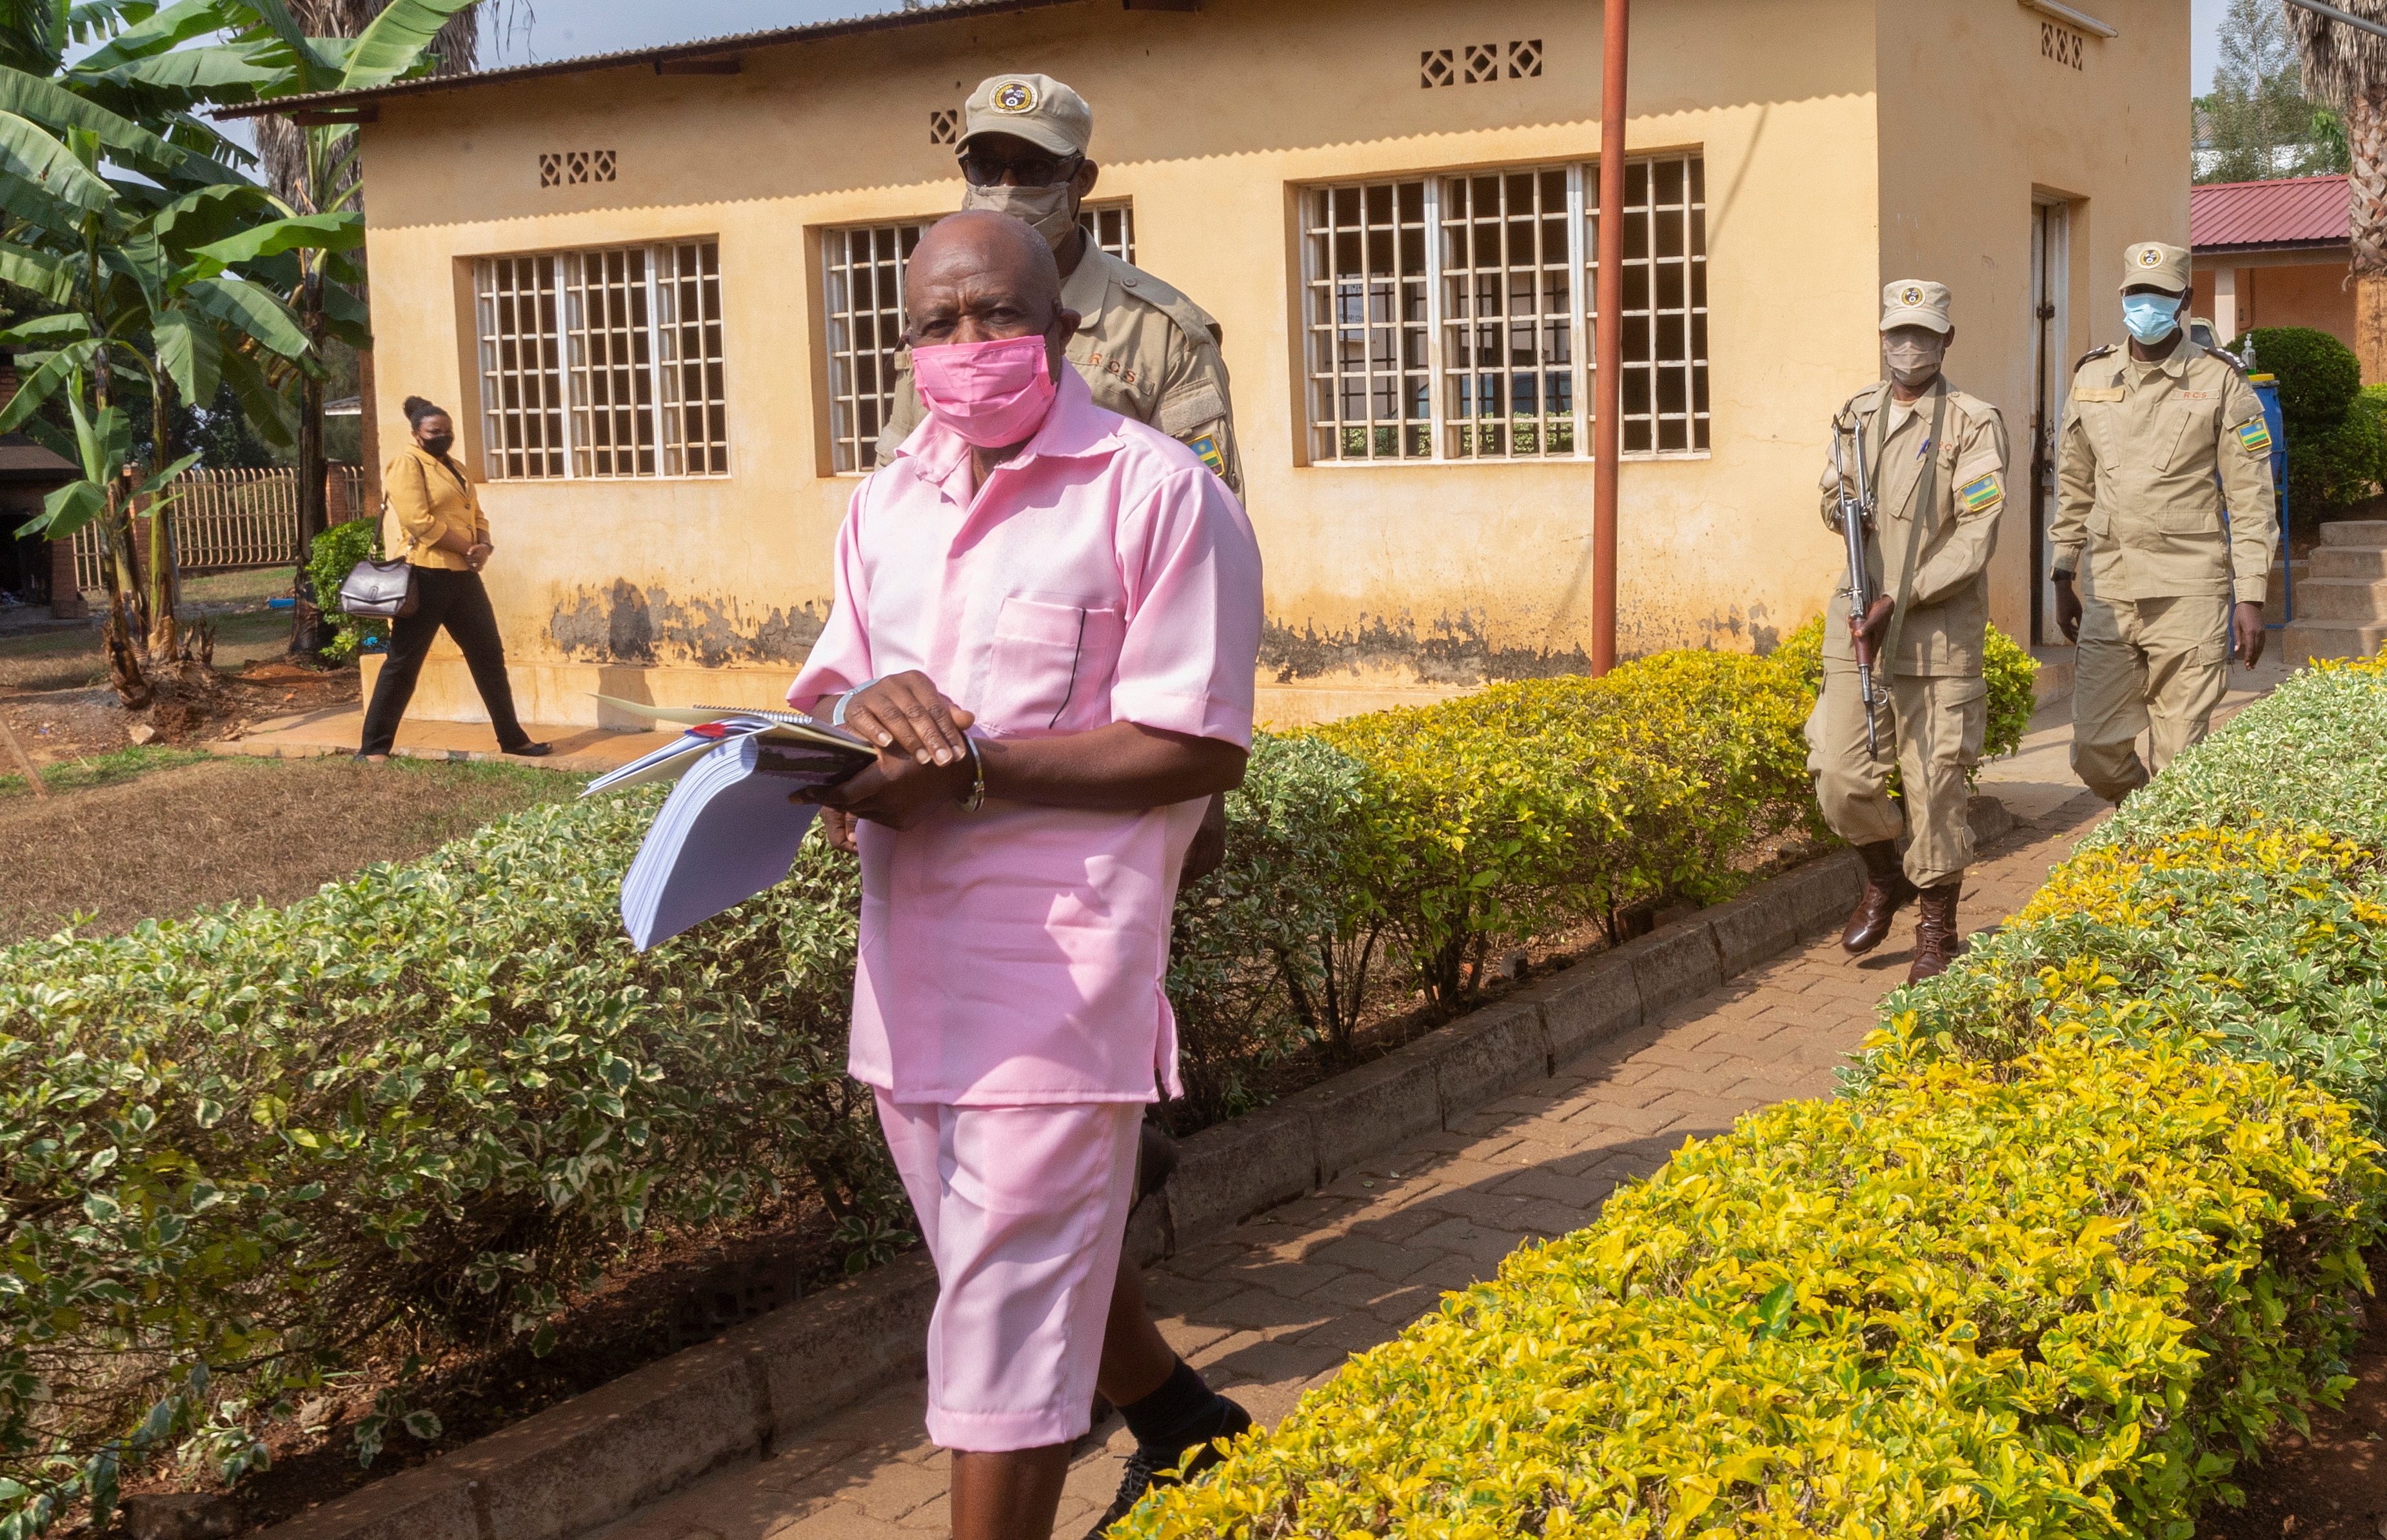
2056	1298
436	1097
2085	1230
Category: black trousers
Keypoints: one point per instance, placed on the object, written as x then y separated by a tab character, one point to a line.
456	601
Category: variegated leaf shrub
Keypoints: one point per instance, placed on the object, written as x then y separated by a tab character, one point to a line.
2057	1296
2086	1227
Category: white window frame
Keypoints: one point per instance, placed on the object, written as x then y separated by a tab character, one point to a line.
843	357
567	339
1324	435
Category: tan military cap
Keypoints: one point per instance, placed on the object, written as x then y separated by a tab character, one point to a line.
2152	264
1914	302
1035	107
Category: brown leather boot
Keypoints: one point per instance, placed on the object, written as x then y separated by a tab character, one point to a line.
1886	893
1935	932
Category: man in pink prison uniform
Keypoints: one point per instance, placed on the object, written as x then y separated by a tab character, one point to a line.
1047	617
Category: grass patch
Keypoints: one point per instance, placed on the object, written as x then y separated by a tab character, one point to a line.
104	769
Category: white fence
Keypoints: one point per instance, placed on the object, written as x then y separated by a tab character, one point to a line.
229	521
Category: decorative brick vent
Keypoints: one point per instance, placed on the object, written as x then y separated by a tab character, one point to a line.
573	167
1480	63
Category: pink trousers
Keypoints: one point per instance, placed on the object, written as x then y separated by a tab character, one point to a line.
1023	1210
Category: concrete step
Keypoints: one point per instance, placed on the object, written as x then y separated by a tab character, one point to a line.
2275	597
2345	562
2306	640
2347	599
2053	680
2354	532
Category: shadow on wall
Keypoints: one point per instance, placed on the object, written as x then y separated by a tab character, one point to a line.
624	623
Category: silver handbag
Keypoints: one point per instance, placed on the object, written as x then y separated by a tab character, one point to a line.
379	590
380	587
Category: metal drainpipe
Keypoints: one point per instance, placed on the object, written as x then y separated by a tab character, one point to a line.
1608	389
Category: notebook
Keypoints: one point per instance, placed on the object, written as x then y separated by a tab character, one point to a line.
727	832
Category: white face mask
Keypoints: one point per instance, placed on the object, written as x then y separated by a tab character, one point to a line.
1051	210
1910	362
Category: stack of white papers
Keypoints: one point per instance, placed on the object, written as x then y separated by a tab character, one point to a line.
727	832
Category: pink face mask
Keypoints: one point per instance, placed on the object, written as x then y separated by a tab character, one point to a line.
992	393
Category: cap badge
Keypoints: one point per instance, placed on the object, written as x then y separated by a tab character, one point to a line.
1015	97
1910	295
2149	258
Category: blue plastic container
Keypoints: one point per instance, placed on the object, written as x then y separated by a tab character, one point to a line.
2267	387
284	603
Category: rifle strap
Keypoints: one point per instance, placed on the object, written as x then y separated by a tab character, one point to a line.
1924	495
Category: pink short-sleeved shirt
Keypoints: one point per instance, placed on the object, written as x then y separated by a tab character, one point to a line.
1014	954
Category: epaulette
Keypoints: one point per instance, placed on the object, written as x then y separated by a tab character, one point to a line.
1864	399
2095	353
2229	358
1191	319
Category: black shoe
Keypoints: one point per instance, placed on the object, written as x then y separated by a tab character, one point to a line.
531	750
1144	1468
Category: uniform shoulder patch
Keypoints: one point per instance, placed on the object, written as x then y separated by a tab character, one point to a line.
1206	448
2093	354
2255	436
1980	496
2230	359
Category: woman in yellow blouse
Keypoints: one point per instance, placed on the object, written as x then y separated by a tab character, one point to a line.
446	538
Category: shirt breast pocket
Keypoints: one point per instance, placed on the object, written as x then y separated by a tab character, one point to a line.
1050	668
2177	432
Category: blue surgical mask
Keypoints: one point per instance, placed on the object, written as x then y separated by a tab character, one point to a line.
2150	317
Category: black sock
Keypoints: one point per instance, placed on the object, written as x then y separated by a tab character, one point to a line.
1181	1413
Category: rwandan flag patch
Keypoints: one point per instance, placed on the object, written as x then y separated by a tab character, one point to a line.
1984	493
1206	446
2255	436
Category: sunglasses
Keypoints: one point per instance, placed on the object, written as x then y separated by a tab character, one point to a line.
1029	170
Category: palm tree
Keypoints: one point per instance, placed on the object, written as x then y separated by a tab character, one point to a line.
2347	67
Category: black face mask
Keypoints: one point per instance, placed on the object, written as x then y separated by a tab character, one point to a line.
440	444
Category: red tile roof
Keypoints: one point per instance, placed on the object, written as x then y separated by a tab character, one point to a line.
2303	210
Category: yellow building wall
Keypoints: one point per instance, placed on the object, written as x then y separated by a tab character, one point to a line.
1978	117
2295	293
1414	580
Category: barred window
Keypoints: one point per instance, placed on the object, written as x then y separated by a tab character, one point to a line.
862	269
1475	343
602	364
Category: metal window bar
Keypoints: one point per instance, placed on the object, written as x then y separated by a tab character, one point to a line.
1365	262
1110	226
522	367
609	352
1508	316
862	271
229	521
692	401
1664	392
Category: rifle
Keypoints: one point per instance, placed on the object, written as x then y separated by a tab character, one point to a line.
1856	512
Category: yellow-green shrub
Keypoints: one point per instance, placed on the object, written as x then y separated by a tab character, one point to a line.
2058	1297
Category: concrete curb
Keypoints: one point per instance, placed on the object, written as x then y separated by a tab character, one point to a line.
597	1458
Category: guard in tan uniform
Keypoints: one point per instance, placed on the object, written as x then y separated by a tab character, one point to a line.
2164	474
1147	351
1935	464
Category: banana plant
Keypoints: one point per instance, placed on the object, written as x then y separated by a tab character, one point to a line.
224	52
152	281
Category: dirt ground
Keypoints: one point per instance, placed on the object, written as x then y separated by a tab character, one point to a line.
237	831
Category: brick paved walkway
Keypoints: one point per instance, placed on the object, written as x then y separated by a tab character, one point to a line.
1276	1305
